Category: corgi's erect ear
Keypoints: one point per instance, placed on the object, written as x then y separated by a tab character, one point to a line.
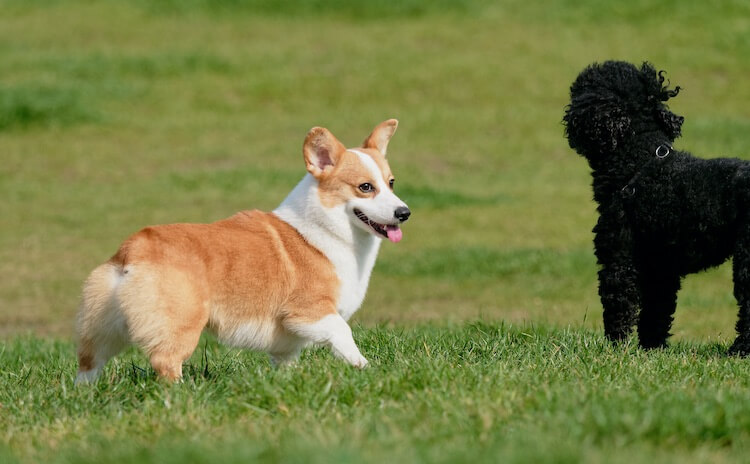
381	135
321	150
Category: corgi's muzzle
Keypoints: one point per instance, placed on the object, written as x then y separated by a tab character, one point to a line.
390	231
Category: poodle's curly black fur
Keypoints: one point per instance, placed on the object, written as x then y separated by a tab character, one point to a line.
663	213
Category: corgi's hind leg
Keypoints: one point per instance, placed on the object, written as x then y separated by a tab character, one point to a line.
93	354
167	357
166	311
101	328
286	358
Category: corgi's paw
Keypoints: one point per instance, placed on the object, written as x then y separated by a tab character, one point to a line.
360	362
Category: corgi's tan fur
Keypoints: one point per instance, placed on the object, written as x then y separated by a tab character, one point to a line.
268	281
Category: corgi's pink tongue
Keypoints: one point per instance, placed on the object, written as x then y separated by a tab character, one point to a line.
394	233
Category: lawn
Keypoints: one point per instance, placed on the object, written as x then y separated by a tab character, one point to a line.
474	392
483	325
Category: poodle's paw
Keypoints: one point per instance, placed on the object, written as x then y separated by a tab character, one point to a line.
652	344
739	348
617	337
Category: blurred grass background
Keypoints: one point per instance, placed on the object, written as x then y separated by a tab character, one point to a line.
119	114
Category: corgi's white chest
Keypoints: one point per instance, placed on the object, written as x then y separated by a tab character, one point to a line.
354	274
351	250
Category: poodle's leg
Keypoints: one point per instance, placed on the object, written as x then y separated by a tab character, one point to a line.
741	271
658	302
619	294
618	277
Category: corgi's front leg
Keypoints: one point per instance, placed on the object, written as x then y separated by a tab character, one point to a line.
331	330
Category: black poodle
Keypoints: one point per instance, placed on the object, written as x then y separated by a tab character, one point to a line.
662	212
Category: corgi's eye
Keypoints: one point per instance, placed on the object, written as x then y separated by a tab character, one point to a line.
390	183
366	187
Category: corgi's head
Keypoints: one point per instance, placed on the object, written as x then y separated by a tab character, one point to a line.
357	180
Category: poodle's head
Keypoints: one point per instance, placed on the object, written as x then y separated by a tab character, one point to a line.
613	101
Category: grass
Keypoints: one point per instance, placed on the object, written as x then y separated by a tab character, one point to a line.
39	106
115	115
478	392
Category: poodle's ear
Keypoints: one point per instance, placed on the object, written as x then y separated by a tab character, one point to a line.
659	89
671	122
595	125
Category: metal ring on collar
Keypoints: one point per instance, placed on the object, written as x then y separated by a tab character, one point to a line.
662	151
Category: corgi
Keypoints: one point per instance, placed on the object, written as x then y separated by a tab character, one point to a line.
271	281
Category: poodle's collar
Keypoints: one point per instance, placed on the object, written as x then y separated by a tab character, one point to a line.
661	152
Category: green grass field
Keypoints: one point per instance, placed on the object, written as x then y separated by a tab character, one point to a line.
477	392
483	325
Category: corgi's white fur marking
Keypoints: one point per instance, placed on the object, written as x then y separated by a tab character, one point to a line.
351	250
267	281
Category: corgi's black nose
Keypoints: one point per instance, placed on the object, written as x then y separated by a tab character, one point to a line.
402	213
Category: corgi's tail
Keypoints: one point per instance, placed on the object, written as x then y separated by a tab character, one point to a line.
100	327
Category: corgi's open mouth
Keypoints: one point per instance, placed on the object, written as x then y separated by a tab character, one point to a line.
390	231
